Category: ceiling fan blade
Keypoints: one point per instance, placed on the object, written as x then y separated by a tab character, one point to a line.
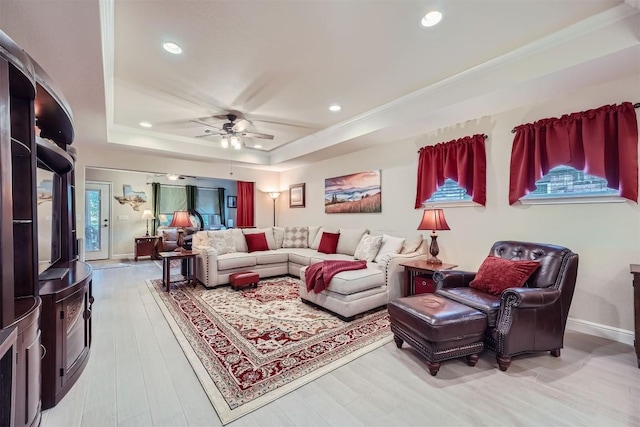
256	135
200	122
208	134
241	125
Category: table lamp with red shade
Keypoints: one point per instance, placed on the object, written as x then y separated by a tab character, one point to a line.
180	220
433	219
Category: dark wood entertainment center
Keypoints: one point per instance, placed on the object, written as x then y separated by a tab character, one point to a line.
45	314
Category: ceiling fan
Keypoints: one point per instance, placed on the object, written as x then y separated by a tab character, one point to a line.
232	131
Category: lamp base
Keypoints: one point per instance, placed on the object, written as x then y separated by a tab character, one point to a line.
434	250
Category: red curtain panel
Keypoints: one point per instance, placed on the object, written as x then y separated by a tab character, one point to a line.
601	142
244	212
462	160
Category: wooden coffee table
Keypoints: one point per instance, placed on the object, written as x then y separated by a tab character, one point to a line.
188	256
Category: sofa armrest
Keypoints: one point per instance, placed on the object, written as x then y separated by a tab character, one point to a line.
453	278
530	297
394	272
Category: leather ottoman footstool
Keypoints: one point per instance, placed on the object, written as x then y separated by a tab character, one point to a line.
438	328
243	280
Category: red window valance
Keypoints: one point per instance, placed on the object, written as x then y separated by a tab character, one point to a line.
601	142
462	160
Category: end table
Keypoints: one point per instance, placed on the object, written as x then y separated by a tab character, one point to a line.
424	269
147	246
192	264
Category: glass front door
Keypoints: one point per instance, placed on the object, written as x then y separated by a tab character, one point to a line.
96	214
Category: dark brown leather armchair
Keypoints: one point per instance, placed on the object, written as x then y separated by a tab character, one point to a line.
522	319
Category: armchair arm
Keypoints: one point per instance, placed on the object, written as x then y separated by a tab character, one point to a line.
453	278
530	297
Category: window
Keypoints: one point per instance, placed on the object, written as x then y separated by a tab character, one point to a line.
208	205
565	181
171	199
450	191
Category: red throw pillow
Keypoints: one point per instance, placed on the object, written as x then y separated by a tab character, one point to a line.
328	243
256	242
497	274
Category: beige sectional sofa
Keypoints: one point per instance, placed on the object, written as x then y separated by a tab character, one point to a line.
292	249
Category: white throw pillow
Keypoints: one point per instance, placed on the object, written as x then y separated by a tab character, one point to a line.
278	234
313	232
349	239
222	241
390	245
295	237
239	240
268	233
411	244
368	247
316	241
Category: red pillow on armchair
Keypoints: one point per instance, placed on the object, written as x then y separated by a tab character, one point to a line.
497	274
256	242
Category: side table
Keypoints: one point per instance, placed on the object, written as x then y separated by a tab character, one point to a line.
146	246
191	265
424	269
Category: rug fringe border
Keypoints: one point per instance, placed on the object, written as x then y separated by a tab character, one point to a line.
226	414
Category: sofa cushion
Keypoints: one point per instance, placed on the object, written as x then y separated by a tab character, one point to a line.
353	281
349	239
239	240
236	260
313	232
295	237
411	244
268	233
328	243
222	241
278	236
316	241
368	247
301	256
270	257
256	242
497	274
390	246
319	257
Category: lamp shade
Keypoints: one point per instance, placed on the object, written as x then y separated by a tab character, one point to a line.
147	214
274	194
181	219
433	219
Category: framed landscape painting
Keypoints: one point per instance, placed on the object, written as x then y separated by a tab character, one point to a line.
296	196
355	193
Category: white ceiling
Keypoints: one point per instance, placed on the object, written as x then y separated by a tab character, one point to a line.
282	63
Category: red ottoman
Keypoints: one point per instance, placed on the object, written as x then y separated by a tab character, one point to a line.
244	279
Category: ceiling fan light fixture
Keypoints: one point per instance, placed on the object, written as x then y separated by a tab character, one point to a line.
224	143
172	47
235	142
431	18
172	177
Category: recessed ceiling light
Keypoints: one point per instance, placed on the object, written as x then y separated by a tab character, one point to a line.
257	146
335	107
146	124
172	48
432	18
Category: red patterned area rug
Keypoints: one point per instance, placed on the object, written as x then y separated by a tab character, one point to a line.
251	347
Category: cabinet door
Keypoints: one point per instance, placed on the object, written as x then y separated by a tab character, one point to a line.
32	357
75	329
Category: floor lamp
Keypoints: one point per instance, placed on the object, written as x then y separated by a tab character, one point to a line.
274	195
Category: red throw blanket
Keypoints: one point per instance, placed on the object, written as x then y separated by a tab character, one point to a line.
318	275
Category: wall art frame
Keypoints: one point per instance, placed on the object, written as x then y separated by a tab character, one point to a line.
297	197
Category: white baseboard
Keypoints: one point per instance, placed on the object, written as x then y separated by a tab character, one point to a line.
602	331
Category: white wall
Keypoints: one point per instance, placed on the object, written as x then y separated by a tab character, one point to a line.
606	236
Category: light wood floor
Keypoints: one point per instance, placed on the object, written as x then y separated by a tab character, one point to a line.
138	376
